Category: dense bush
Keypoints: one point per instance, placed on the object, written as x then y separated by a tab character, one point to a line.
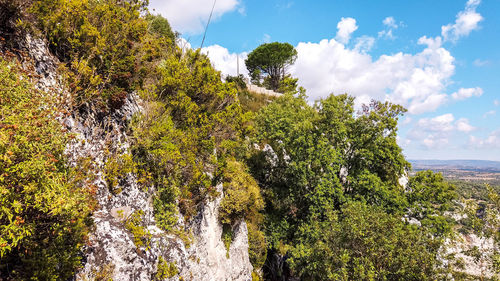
192	123
242	197
98	41
44	211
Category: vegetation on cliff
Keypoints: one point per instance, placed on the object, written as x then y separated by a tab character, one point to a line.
45	205
318	185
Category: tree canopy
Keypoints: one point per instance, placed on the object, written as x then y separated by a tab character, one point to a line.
334	205
271	60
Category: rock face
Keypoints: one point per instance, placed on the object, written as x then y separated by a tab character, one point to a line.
111	252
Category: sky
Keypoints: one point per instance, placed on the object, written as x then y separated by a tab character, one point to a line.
439	59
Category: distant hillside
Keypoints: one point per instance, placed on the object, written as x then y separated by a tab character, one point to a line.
456	164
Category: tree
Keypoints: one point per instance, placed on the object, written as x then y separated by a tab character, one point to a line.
334	207
363	242
271	59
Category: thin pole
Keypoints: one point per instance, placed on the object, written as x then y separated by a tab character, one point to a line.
208	22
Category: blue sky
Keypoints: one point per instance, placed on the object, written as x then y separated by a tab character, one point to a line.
440	59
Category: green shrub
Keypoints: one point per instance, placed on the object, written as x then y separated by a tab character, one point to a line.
257	247
44	210
166	269
116	168
142	236
242	197
98	41
227	237
192	122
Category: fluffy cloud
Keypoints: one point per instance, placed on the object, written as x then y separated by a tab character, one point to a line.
364	43
490	142
190	16
416	81
226	62
464	93
390	24
467	21
436	132
496	102
345	27
463	125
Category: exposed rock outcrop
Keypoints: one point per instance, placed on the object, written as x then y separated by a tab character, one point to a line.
111	250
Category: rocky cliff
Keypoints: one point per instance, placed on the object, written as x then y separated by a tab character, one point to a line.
111	252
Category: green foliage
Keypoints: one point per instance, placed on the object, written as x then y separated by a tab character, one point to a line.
166	269
239	81
334	205
253	102
242	197
363	242
227	237
473	189
192	122
44	208
256	276
428	197
159	25
271	59
116	168
257	247
484	220
288	84
99	42
142	236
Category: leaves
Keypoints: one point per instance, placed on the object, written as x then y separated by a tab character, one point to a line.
45	209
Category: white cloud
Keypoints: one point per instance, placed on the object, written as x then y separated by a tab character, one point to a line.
442	123
463	125
406	121
496	102
489	113
436	132
479	62
345	27
226	62
364	43
467	21
464	93
490	142
416	81
390	24
190	16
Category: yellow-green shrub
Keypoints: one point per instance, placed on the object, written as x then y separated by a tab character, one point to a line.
116	168
192	122
44	212
142	237
257	247
166	269
98	41
242	197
